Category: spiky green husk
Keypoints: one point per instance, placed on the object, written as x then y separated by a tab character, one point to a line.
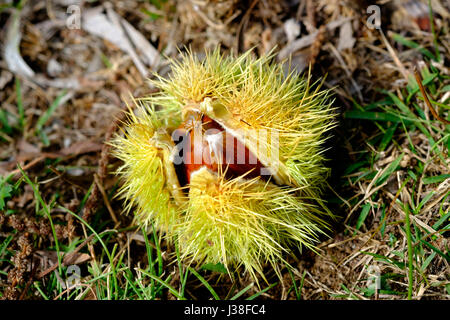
239	221
145	189
244	222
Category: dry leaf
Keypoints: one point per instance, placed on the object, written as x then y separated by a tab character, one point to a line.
346	39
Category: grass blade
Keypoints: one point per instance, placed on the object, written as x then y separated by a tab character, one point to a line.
363	215
20	108
435	179
389	170
413	45
240	293
256	295
205	283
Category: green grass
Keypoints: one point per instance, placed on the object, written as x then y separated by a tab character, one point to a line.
410	252
110	276
5	192
46	210
18	123
8	127
297	288
20	107
393	115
